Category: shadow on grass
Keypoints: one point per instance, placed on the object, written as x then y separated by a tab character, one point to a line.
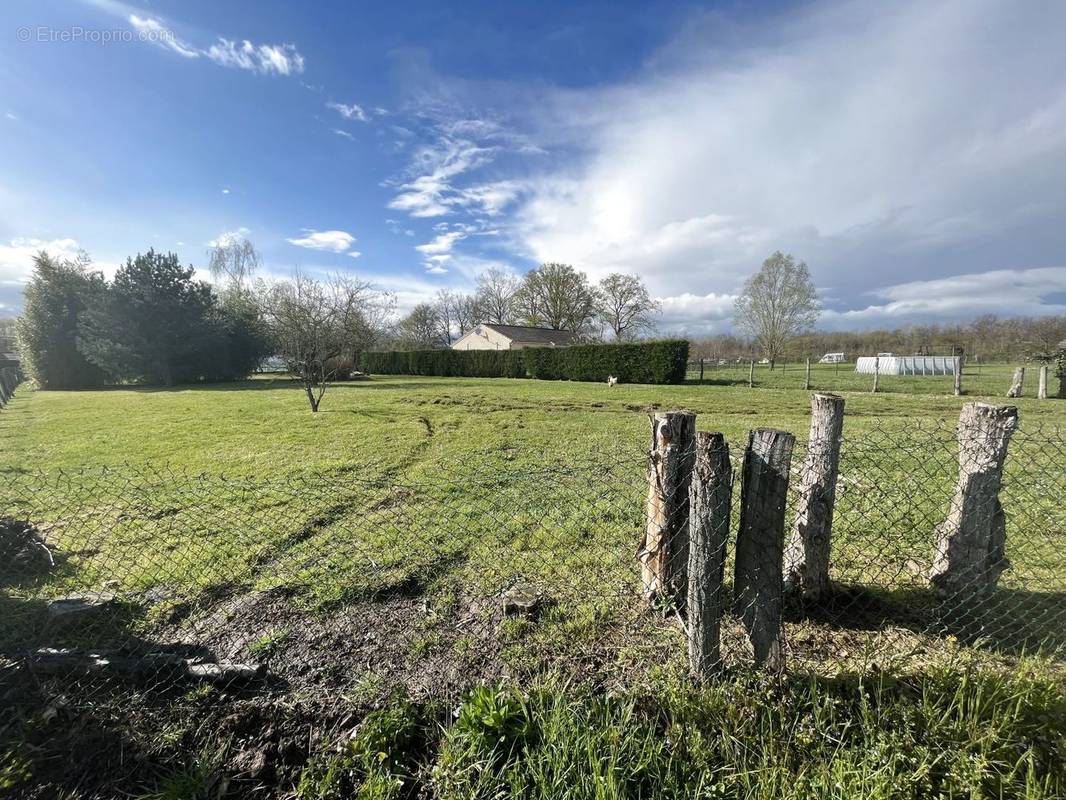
1009	622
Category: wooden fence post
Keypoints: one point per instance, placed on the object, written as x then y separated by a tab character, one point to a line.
701	370
807	377
751	374
806	567
958	376
710	502
969	544
757	578
663	553
1017	384
877	373
1041	389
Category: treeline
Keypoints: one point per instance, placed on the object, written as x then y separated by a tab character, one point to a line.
637	362
556	296
153	323
987	338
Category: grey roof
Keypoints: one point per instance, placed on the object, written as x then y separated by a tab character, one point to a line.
520	333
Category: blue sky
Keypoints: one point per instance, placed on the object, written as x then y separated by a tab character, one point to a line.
913	153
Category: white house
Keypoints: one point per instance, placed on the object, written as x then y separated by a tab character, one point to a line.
512	337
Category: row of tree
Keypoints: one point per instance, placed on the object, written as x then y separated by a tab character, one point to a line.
553	295
153	323
156	323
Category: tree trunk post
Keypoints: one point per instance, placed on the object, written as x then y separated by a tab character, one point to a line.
877	373
751	374
663	553
1017	384
806	568
710	502
1041	390
757	577
807	377
958	377
969	545
701	370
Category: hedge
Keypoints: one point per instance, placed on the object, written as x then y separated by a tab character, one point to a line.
642	362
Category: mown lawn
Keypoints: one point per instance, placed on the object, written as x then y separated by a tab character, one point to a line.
367	546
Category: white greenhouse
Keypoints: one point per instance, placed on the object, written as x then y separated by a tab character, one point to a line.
907	365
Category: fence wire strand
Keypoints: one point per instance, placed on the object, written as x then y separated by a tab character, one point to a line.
356	581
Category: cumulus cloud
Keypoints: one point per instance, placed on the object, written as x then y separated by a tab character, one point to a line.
328	241
893	143
229	237
16	257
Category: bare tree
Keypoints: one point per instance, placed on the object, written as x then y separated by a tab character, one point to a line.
496	289
625	306
459	312
424	328
777	303
556	296
234	261
316	324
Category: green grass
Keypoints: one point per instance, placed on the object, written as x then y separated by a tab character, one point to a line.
439	488
947	733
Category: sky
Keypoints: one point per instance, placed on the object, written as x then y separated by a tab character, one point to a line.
913	154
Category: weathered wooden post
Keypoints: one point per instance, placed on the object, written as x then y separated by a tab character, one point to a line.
806	566
757	578
710	501
701	370
751	374
969	545
663	553
807	377
1041	388
877	373
958	376
1017	384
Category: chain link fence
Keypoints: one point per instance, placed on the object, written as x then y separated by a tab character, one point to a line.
511	565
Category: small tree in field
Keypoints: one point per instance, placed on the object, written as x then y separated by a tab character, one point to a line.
316	324
624	305
777	303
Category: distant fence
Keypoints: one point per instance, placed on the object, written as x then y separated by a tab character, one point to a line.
10	379
826	552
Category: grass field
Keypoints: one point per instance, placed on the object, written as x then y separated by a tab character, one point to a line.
368	545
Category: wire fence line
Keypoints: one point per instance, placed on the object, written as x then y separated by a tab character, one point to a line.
514	564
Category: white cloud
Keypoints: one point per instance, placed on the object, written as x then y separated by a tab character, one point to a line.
225	190
229	237
905	139
435	166
441	244
1005	292
16	257
11	116
329	241
350	112
354	253
345	134
263	59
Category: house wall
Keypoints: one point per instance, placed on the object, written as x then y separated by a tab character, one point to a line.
487	339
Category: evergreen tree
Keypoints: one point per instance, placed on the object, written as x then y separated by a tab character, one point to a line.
59	291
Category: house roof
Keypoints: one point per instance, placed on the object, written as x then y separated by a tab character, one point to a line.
521	333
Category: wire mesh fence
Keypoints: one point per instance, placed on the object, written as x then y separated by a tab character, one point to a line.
511	565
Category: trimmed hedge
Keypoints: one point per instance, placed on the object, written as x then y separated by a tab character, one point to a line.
641	362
